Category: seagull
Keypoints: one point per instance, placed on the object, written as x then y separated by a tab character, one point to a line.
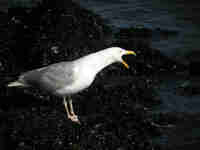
66	78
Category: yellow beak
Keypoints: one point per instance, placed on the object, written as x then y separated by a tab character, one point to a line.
128	52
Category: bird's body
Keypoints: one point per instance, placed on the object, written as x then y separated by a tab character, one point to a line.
66	78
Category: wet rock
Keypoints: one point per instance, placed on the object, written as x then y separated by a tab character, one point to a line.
189	87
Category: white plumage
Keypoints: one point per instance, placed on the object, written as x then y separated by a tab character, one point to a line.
66	78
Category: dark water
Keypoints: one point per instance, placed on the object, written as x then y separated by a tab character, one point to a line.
177	17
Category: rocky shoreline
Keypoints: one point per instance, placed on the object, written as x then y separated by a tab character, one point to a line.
115	112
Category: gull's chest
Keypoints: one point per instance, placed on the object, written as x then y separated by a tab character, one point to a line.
83	79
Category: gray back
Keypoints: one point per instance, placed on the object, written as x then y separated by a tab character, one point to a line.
50	78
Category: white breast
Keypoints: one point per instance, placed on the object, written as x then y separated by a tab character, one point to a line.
83	79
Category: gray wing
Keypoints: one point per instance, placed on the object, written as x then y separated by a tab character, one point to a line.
50	78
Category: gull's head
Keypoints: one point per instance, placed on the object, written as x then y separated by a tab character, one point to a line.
118	52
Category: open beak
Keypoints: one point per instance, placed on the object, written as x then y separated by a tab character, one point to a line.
128	52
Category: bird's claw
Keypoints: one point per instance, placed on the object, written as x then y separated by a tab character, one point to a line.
75	119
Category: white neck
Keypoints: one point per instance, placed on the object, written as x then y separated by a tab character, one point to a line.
99	60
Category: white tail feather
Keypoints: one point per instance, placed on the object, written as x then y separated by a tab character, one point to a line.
15	83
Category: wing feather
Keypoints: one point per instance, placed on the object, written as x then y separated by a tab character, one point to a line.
52	77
